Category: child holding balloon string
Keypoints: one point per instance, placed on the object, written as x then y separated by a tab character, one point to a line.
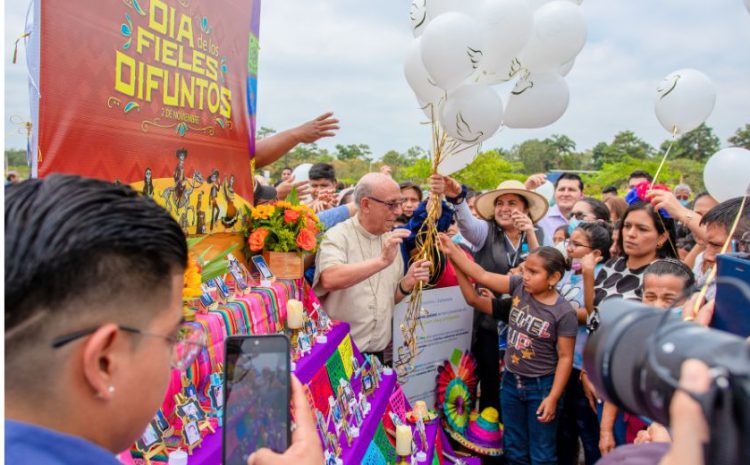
539	356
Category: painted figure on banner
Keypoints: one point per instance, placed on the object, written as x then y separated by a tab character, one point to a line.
148	184
232	214
200	215
179	177
213	197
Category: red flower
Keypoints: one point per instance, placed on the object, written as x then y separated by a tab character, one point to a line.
306	240
290	216
642	189
257	239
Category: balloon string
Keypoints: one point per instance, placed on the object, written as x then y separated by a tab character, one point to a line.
664	158
724	248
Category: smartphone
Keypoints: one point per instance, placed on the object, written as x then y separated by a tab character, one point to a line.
257	389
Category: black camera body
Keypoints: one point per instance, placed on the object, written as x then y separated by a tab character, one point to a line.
634	360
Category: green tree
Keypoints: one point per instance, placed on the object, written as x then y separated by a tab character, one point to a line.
624	144
535	156
698	144
616	173
353	152
489	169
741	137
563	145
15	157
264	132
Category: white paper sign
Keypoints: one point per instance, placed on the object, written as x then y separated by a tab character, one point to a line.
447	327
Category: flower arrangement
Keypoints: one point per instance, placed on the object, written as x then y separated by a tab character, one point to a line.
282	226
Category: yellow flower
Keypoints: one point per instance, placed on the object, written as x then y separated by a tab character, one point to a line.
283	204
192	287
262	212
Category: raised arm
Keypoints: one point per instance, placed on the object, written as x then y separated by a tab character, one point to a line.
336	273
271	148
496	282
481	303
472	229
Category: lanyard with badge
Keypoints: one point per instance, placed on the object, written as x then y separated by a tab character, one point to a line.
517	252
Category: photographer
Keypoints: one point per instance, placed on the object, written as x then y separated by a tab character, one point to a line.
689	429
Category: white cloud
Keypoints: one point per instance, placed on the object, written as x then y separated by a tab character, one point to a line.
347	56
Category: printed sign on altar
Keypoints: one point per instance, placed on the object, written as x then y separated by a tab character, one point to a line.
447	327
157	94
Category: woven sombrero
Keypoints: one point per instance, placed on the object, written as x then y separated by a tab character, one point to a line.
484	434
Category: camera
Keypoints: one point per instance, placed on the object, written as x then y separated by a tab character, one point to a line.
634	360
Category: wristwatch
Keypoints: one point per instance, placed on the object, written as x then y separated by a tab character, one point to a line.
457	200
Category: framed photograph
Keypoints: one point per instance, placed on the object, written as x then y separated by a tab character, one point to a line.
191	434
343	400
304	343
221	285
217	395
150	437
191	410
238	273
368	386
206	299
262	266
337	413
161	421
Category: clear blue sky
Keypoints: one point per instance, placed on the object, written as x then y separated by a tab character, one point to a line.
347	57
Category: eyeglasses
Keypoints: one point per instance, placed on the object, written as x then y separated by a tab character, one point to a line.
580	216
392	206
574	244
185	346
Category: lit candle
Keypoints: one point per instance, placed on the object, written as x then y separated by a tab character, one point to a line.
294	319
403	440
420	409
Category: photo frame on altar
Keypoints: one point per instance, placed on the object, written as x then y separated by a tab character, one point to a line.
151	436
216	393
161	421
205	298
303	341
260	264
368	384
191	434
222	287
343	400
239	273
336	412
191	410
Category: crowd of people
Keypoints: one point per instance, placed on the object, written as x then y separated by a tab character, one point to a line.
536	272
91	283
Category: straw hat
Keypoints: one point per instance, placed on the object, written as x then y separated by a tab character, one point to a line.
485	203
484	434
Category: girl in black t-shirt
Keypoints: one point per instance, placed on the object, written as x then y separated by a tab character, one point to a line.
539	358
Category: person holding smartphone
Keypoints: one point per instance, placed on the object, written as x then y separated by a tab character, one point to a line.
93	321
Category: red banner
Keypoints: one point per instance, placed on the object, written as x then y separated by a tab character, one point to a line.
158	94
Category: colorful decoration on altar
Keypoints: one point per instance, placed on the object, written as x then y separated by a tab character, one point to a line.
162	100
456	391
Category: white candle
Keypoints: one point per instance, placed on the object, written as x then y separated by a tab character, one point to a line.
294	319
403	440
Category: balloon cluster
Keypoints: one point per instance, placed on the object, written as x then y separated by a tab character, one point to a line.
462	48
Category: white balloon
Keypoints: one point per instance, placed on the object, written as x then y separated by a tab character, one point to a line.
418	16
507	27
566	67
502	73
537	102
436	8
534	4
546	190
302	172
462	157
416	74
451	49
727	173
559	35
432	109
684	99
472	113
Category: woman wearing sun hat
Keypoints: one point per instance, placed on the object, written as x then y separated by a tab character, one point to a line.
502	238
